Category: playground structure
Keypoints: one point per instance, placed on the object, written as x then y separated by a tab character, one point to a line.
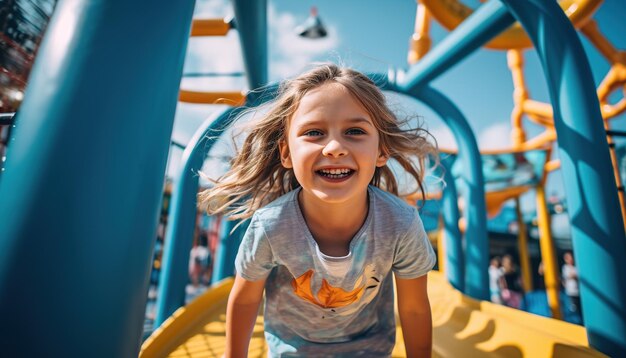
75	75
514	40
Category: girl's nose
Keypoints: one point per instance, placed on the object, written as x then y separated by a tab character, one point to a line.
334	148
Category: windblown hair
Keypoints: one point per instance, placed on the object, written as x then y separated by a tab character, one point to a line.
256	175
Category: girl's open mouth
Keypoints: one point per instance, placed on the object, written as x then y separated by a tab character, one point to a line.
335	173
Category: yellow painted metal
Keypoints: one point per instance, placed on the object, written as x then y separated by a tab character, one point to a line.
450	13
540	113
420	40
616	174
552	165
187	321
548	253
229	98
462	327
522	243
495	199
210	27
616	77
515	62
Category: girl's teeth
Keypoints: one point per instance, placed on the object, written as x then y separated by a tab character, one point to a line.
335	173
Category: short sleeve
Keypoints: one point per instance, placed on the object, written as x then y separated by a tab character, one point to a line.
414	255
254	259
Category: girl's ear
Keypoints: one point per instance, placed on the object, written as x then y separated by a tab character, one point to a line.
382	159
285	156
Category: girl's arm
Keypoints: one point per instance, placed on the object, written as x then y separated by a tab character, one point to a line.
415	318
241	313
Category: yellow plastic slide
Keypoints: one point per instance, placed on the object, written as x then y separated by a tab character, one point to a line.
463	327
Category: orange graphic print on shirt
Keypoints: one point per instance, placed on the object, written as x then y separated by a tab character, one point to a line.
328	296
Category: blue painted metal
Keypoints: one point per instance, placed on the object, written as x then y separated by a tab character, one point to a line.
480	27
224	265
251	20
473	189
182	216
84	178
455	258
597	227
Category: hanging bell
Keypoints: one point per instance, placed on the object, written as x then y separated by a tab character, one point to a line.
312	27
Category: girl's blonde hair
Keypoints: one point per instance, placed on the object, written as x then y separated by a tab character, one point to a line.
256	176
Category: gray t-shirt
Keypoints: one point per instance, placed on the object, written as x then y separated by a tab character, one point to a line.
317	305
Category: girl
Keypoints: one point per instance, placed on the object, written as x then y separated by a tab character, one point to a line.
327	228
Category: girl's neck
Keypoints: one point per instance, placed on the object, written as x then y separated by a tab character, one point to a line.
334	225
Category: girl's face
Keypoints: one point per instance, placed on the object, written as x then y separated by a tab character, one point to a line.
332	146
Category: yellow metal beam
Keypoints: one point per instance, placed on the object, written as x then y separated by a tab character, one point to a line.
420	40
230	98
451	13
548	253
522	242
210	27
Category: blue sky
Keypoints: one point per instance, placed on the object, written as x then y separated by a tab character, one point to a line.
373	35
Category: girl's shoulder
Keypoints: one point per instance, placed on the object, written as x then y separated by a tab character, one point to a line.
281	210
386	202
398	216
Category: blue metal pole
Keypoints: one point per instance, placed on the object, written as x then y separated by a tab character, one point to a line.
84	177
182	216
472	181
251	22
455	261
597	227
480	27
224	265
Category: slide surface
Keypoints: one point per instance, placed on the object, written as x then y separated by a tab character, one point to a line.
463	327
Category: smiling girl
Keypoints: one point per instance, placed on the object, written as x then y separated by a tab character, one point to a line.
327	228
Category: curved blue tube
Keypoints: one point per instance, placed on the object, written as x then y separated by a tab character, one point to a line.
476	242
84	178
455	258
597	227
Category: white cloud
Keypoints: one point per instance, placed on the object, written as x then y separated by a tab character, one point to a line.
497	136
444	137
212	8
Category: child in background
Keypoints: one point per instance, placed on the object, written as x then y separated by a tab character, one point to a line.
327	227
495	275
570	282
510	284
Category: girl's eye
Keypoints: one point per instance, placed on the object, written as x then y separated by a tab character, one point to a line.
355	131
313	133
